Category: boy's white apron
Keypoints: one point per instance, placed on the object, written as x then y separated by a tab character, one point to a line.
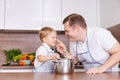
47	66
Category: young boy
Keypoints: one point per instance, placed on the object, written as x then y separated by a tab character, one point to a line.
45	54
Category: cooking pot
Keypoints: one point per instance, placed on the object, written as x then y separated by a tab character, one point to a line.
64	66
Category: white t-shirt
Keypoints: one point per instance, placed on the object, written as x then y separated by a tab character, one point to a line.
97	43
44	50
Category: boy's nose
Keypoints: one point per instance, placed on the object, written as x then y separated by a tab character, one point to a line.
66	33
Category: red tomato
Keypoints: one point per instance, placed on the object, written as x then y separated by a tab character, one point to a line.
21	63
24	63
32	63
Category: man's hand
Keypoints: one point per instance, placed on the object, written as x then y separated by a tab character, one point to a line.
63	50
96	70
61	47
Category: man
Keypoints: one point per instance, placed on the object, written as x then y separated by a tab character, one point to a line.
95	47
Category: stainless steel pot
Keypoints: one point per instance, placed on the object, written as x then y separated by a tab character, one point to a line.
64	66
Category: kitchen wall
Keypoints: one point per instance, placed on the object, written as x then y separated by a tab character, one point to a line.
26	41
109	13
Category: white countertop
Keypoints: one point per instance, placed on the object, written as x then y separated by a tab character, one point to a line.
30	70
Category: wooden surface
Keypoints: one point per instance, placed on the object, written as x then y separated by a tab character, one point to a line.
53	76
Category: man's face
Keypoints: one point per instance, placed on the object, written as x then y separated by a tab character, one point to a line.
71	31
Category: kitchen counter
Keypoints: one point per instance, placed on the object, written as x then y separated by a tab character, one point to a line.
29	68
16	67
53	76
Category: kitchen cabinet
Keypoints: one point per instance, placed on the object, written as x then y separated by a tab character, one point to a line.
52	14
23	14
2	4
35	14
89	9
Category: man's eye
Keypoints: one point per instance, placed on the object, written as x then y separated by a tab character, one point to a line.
66	31
53	37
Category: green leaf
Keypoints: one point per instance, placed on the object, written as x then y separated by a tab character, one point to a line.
11	53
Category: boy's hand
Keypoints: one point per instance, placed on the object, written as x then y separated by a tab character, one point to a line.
55	56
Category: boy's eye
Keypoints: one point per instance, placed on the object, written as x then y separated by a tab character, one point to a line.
53	37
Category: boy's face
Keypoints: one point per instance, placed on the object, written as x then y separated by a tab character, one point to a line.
50	39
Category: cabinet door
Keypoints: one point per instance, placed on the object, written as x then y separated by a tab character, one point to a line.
52	14
89	9
23	14
1	14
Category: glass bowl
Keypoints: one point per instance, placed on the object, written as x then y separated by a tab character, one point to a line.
26	62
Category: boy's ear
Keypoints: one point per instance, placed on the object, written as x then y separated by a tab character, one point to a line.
44	39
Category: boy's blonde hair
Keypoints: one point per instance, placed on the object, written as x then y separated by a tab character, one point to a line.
45	31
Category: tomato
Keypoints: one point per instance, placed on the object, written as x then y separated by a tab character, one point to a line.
21	63
32	63
25	55
24	63
21	59
24	58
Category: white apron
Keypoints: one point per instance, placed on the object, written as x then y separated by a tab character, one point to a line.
90	58
47	66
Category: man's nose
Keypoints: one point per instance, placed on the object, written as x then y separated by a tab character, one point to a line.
55	39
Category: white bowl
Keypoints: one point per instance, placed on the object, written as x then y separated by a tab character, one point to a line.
28	62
